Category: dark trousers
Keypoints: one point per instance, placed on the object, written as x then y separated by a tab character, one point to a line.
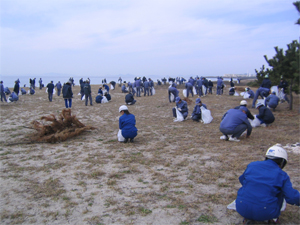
87	97
66	102
50	96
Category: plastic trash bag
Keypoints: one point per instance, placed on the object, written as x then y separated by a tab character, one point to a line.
281	94
236	93
104	91
275	88
184	92
83	98
46	90
206	115
179	116
79	93
203	89
172	97
153	91
111	87
262	101
194	90
246	95
120	137
104	100
255	122
242	93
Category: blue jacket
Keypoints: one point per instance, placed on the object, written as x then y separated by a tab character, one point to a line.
98	99
183	106
266	83
272	101
23	91
251	93
50	87
58	86
220	82
138	83
234	117
127	125
188	85
199	83
265	115
123	88
13	97
264	185
67	91
106	87
197	110
146	84
32	91
151	83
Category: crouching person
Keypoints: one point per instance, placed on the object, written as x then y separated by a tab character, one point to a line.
98	98
13	97
127	125
234	123
182	107
265	115
196	114
264	187
129	99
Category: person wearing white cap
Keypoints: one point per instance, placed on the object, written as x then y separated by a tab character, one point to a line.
265	115
196	114
264	187
181	105
248	113
127	124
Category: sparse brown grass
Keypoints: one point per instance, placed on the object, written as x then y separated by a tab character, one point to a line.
174	173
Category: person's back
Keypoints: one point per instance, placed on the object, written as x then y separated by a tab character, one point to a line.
13	97
233	118
67	91
23	91
266	83
50	87
272	101
108	97
265	115
87	88
98	99
248	113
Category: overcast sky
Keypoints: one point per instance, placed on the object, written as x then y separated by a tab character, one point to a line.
139	37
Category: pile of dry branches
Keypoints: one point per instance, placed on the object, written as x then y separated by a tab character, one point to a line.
58	130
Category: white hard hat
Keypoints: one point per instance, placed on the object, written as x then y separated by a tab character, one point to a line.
243	102
259	104
276	152
123	107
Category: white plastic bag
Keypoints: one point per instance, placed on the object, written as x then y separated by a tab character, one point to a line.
172	97
184	92
274	88
246	95
203	89
46	90
54	91
232	205
255	122
120	137
79	93
104	91
262	101
206	115
153	91
111	87
281	94
194	90
179	116
242	93
236	93
104	100
83	98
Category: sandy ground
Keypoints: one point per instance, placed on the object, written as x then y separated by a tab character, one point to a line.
174	173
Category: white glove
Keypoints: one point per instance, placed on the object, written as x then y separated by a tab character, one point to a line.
179	109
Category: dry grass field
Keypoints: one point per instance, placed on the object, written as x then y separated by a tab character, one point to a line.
174	172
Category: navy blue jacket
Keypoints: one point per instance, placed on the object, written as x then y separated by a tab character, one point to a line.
67	91
265	115
50	87
266	83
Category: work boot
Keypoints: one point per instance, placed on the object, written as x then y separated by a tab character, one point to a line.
126	140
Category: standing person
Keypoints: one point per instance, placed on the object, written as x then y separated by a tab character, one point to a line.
30	83
264	187
129	99
205	83
182	107
50	87
231	83
248	113
17	88
113	83
67	94
127	124
146	87
33	83
234	123
173	90
220	85
263	90
272	101
58	87
196	114
41	83
199	87
120	81
210	86
189	88
151	86
265	115
138	87
2	93
88	92
82	90
284	85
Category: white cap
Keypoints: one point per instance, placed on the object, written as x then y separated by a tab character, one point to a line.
243	102
276	152
123	107
259	104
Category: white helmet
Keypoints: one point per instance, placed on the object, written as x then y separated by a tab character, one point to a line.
276	152
243	102
259	104
123	107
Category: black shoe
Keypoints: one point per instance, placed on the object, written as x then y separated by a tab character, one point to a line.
126	140
131	140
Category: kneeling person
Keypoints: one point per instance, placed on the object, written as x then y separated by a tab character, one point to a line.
182	107
127	124
196	114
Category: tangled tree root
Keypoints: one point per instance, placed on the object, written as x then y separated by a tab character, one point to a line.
59	130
